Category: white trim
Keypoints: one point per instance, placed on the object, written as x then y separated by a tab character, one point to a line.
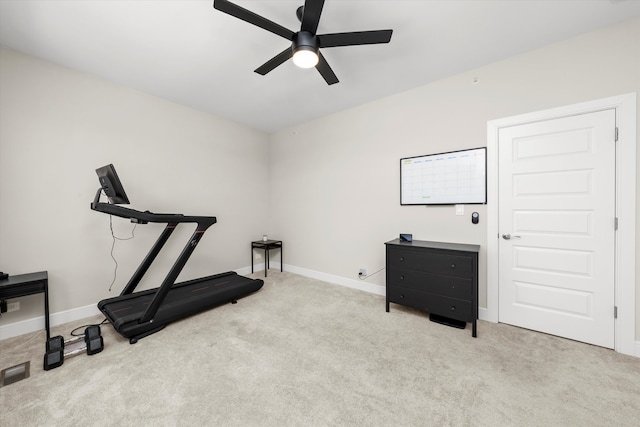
37	323
361	285
256	268
625	286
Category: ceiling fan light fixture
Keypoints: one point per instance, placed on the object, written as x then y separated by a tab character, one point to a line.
305	44
305	57
305	49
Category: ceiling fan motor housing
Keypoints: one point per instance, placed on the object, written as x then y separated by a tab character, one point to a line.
305	45
304	40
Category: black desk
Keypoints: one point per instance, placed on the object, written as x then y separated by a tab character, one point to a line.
266	245
22	285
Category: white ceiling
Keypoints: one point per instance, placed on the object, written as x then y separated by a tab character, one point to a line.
188	52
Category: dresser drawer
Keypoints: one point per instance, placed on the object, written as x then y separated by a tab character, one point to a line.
440	278
448	264
452	308
456	287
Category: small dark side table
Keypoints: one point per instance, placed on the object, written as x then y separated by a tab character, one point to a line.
267	245
22	285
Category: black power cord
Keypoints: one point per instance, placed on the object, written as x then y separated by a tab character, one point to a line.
74	333
113	245
364	276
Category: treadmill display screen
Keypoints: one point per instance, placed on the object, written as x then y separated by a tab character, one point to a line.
111	185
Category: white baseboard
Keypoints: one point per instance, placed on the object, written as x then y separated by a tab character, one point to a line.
256	268
356	284
483	313
37	323
361	285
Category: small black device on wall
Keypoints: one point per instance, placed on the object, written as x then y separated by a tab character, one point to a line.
406	237
475	217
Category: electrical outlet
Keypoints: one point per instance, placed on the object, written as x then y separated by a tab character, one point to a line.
13	306
258	256
362	272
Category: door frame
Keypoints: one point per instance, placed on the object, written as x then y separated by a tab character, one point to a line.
625	245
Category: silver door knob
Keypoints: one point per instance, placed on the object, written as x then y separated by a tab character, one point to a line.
508	236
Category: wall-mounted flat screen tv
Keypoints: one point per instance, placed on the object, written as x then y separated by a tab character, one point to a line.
456	177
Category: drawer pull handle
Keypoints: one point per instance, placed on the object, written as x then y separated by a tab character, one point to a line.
402	296
401	258
401	277
453	308
453	266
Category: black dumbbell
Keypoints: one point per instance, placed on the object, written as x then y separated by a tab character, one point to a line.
93	340
54	355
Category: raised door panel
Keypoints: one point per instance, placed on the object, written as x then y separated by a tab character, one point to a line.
557	195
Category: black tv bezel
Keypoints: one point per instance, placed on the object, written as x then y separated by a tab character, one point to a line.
111	185
440	154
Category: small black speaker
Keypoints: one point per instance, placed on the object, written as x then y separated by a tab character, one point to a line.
404	237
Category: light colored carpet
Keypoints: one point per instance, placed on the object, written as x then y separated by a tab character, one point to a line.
301	352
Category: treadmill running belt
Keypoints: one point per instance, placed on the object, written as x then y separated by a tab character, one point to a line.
183	300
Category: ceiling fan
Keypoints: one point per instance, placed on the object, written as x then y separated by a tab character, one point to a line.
305	44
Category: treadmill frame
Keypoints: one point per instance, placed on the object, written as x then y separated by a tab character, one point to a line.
172	221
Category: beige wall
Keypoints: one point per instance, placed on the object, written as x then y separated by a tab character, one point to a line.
58	125
335	180
332	192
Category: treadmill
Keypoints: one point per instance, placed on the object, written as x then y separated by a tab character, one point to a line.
135	315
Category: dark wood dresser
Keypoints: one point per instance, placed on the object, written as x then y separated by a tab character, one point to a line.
439	278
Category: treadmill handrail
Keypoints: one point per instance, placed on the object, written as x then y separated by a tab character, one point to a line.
172	220
147	216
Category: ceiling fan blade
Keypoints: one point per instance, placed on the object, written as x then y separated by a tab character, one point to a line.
354	38
325	71
274	62
311	15
252	18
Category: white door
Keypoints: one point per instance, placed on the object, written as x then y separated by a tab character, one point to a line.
557	226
